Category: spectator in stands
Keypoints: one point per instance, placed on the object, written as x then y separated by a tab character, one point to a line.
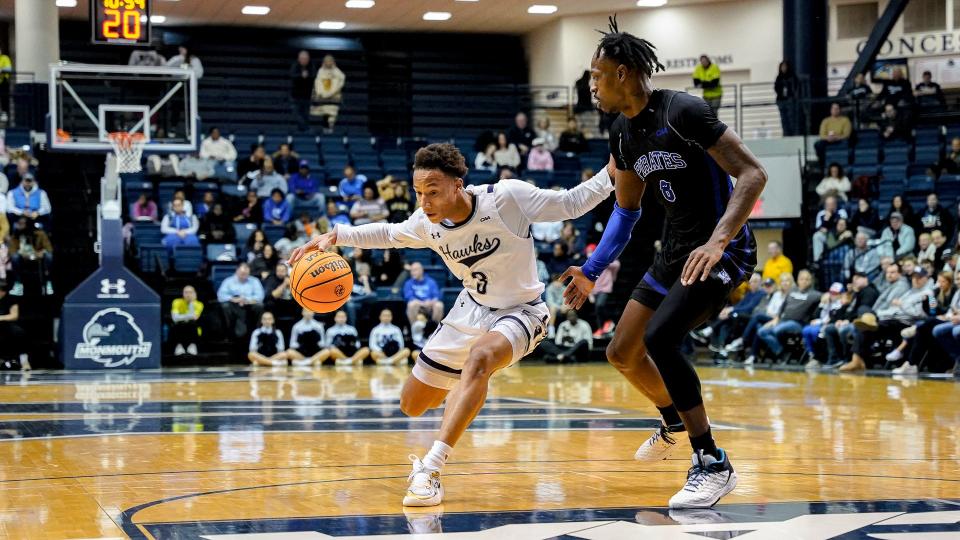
386	342
865	219
292	239
707	76
285	160
826	223
539	159
241	297
572	240
178	228
4	185
28	200
266	344
30	245
600	296
399	205
206	204
896	91
23	167
328	93
351	185
421	292
252	210
732	319
253	163
306	341
262	260
777	263
266	181
486	160
787	90
934	216
218	148
553	296
335	215
926	251
363	299
276	209
797	310
572	139
897	240
185	313
943	250
277	296
305	188
216	227
12	335
180	195
863	296
893	125
947	336
834	184
899	204
6	73
835	128
521	134
144	209
573	340
370	209
302	75
764	313
863	258
506	153
861	91
559	259
918	339
929	94
907	265
831	303
187	60
544	132
343	343
950	164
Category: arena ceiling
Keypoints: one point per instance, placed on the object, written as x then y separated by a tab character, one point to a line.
502	16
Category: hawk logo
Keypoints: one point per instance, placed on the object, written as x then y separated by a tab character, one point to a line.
112	338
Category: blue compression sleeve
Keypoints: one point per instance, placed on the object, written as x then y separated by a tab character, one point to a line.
614	239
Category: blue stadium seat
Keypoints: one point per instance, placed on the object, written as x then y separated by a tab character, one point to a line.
951	132
450	295
927	154
230	189
438	273
243	231
222	252
541	178
133	188
949	178
220	272
917	169
928	136
894	173
837	155
421	256
948	192
896	154
187	259
566	162
273	232
866	155
867	138
919	184
862	170
146	232
152	257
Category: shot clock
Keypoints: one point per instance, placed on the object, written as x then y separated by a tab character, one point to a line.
120	22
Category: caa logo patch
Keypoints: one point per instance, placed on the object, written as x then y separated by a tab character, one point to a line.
112	338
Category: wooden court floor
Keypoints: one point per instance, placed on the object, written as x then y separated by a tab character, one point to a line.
293	455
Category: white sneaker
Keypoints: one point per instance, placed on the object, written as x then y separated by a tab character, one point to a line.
750	360
425	488
708	480
906	369
735	345
17	289
894	356
25	362
48	290
813	364
179	350
658	447
192	349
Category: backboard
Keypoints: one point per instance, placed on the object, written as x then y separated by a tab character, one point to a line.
89	101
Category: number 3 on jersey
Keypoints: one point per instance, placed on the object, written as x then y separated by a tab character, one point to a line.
667	190
481	281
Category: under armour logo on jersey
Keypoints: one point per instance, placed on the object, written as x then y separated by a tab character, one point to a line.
435	236
462	303
484	218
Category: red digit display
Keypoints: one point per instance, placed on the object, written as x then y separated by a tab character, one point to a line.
120	22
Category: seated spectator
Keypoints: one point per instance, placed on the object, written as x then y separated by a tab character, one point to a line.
950	164
305	188
553	296
834	184
218	148
559	260
573	240
306	341
253	163
351	185
23	168
833	129
370	209
12	335
29	244
276	286
942	250
180	195
934	216
797	311
897	91
893	125
826	223
185	59
907	265
267	180
343	343
863	258
241	297
7	274
929	94
185	313
831	303
335	216
861	91
266	344
421	292
143	209
865	219
539	159
216	227
506	153
926	251
573	341
263	262
918	339
399	205
521	134
292	239
759	318
863	296
899	204
364	298
178	228
286	161
600	296
205	204
486	160
733	318
572	139
544	132
28	200
276	209
897	240
777	263
251	211
386	342
947	334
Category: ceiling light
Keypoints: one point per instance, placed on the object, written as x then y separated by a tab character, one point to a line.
651	3
360	4
158	19
539	9
255	10
332	25
436	15
66	3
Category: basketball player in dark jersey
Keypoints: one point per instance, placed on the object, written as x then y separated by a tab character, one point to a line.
672	143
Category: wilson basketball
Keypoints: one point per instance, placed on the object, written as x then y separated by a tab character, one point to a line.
321	281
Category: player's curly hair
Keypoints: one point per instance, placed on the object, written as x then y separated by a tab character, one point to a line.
628	49
442	157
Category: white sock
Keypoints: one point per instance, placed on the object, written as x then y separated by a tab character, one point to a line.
438	455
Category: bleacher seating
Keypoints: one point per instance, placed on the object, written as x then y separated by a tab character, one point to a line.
187	259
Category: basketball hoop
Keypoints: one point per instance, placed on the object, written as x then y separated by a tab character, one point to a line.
128	147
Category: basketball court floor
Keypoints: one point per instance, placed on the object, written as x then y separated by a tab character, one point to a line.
295	455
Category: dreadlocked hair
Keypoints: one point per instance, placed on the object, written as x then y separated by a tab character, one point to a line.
629	50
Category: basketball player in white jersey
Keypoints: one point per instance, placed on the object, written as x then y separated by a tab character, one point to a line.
483	235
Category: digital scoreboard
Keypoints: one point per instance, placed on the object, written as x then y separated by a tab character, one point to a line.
120	22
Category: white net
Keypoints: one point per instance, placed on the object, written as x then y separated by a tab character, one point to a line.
128	147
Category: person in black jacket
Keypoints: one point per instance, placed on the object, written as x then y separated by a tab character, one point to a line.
302	74
837	333
786	88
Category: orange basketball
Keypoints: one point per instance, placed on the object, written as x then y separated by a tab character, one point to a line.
321	281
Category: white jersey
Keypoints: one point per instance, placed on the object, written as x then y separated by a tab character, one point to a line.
492	251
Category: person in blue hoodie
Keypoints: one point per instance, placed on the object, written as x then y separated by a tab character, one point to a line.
276	210
421	292
305	187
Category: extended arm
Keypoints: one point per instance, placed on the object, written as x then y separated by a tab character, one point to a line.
380	235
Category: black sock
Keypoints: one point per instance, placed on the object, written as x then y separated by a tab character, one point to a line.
671	417
706	443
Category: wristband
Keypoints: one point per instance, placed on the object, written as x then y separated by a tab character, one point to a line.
615	238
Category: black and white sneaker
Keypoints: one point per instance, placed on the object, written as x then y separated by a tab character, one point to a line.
660	445
708	480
